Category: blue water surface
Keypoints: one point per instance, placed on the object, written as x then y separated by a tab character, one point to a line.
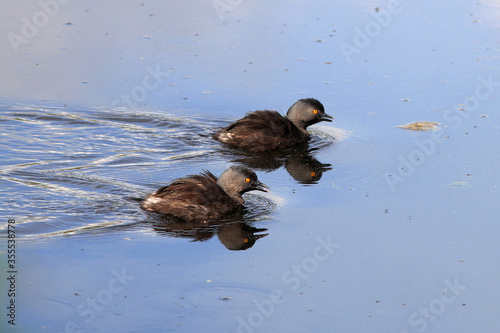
374	229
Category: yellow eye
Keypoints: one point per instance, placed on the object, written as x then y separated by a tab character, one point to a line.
245	240
313	174
248	180
315	111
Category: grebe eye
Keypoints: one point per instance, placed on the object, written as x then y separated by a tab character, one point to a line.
315	111
248	180
245	240
313	174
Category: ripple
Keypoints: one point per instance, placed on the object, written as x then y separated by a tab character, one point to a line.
70	171
212	298
324	136
357	178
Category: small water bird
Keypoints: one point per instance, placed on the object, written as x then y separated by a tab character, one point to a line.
204	197
264	130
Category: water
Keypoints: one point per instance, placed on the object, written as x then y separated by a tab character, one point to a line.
396	231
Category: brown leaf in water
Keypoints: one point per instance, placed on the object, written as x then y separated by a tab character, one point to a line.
420	126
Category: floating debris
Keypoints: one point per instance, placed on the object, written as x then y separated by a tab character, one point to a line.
335	186
459	184
420	126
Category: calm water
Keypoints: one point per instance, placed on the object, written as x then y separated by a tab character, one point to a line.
395	230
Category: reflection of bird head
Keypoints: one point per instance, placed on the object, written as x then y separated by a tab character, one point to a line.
305	168
239	235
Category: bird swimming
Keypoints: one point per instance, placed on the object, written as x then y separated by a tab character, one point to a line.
265	130
204	197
